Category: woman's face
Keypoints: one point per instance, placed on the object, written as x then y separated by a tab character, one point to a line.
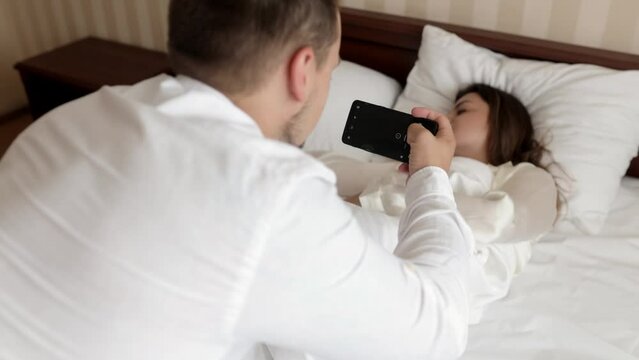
469	119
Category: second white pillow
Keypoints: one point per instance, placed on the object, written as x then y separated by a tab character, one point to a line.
350	82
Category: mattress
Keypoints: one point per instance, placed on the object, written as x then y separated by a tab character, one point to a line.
578	298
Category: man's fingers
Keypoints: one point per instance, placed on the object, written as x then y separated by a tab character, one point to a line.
445	129
426	149
415	131
422	112
425	113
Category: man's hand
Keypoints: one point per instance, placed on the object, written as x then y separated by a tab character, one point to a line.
426	149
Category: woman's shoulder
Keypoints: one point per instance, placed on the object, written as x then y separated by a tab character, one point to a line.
523	171
521	167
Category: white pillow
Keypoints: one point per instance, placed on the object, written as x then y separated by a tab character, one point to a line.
350	82
588	116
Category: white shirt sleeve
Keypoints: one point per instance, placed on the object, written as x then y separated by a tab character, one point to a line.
325	287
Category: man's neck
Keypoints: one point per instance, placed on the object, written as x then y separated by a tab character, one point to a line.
263	109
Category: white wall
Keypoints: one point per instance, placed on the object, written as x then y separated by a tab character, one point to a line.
607	24
11	94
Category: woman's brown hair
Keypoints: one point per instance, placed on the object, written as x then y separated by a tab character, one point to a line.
511	134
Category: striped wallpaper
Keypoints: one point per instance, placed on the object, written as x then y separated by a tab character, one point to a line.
28	27
608	24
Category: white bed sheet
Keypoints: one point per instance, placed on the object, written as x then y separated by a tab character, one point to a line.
578	298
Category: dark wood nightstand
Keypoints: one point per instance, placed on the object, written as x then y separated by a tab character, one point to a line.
72	71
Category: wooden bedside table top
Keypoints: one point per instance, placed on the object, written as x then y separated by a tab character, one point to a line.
91	63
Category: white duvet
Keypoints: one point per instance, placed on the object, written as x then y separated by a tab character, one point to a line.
507	207
576	300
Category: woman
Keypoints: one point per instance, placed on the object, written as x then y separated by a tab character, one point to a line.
502	190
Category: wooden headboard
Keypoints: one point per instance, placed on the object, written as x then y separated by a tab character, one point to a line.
389	44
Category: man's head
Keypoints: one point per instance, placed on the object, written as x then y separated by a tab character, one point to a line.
273	58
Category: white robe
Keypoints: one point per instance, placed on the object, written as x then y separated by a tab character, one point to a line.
507	207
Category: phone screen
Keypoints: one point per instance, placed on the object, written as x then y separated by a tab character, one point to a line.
380	130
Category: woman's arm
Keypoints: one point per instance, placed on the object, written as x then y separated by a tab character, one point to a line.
520	206
533	193
354	175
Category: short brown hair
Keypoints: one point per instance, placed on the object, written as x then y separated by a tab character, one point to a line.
233	44
511	134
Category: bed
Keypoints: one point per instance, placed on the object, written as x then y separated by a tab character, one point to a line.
579	296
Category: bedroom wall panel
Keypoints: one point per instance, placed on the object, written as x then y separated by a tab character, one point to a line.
28	27
608	24
11	93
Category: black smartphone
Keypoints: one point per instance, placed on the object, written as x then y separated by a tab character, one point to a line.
380	130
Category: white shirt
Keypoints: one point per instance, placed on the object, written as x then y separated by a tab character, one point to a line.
157	222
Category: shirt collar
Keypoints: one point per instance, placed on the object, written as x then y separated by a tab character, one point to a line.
234	112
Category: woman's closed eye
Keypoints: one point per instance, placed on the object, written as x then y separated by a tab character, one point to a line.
460	107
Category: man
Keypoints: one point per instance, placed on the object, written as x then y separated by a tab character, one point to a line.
178	219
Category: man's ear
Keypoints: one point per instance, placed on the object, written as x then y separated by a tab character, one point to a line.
301	73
